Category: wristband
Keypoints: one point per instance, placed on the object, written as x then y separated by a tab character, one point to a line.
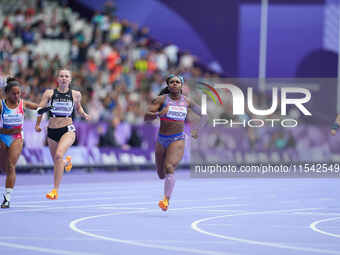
44	109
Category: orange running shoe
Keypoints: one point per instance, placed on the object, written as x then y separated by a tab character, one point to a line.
164	204
53	195
68	164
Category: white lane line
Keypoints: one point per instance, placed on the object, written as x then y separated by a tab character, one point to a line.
290	202
98	198
44	250
316	213
15	238
32	206
114	198
195	227
68	194
314	227
58	208
224	211
94	187
64	252
122	208
112	204
73	226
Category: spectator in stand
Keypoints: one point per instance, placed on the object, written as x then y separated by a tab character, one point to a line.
118	54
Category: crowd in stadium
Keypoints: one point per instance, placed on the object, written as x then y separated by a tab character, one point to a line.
116	65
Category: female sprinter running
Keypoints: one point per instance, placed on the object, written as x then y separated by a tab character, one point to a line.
60	132
11	133
172	110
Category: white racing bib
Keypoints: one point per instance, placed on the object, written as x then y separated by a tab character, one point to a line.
62	108
71	128
177	112
13	119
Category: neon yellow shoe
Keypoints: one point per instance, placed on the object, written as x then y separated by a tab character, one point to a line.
164	204
53	195
68	164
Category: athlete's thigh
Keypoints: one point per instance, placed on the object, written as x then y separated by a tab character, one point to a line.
65	142
14	151
160	157
52	145
174	153
3	156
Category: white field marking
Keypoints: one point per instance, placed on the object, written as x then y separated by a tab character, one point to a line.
235	205
63	252
79	200
316	213
122	208
67	194
108	198
73	226
44	250
100	205
33	206
289	226
314	224
290	202
109	186
223	211
53	238
180	241
195	227
33	190
219	224
56	208
224	198
113	192
272	226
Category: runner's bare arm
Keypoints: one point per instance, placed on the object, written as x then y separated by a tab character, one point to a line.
152	112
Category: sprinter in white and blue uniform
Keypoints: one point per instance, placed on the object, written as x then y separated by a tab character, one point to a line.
61	132
11	133
172	109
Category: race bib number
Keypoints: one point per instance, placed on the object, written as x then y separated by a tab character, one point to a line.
13	119
177	112
71	128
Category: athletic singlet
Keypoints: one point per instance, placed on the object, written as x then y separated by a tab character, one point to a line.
177	111
13	118
62	104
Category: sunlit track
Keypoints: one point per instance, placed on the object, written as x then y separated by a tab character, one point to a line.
126	219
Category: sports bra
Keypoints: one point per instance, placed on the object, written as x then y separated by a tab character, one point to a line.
62	104
177	111
13	118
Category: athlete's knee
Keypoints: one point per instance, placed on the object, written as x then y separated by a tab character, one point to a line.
58	156
169	168
11	168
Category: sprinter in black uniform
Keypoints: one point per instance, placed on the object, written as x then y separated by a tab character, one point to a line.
61	133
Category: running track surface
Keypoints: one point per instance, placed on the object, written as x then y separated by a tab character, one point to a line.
117	213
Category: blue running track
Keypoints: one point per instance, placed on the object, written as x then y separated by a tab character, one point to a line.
116	213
